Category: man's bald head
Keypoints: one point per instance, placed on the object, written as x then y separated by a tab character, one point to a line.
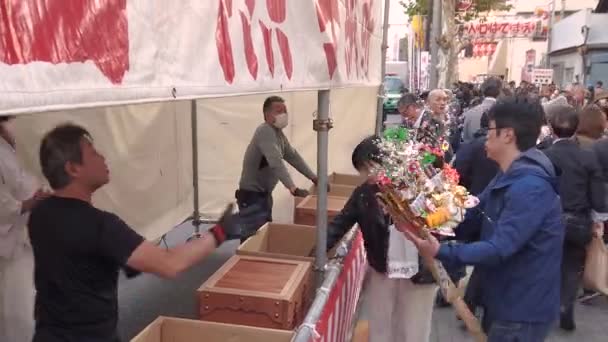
438	102
437	92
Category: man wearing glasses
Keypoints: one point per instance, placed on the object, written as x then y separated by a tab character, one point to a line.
521	232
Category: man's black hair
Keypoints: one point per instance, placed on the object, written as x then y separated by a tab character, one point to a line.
4	118
269	101
564	121
491	87
600	83
367	150
407	99
523	115
60	146
424	95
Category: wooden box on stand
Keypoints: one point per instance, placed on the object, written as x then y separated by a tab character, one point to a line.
340	185
346	179
261	292
281	241
306	211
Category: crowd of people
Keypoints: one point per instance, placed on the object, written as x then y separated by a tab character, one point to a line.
537	160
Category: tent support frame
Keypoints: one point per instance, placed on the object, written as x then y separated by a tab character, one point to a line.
196	214
322	124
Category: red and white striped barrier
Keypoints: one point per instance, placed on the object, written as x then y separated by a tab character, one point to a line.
336	319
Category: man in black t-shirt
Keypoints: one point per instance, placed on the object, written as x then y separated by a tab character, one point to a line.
79	249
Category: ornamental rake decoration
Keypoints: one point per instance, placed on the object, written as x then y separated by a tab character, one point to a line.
418	188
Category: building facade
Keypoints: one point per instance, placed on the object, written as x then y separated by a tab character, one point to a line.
519	44
579	53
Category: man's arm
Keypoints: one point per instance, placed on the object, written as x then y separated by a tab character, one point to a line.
295	159
11	208
597	189
268	143
462	164
600	148
169	263
520	219
127	248
342	222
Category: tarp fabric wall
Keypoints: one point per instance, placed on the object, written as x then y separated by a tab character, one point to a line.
148	148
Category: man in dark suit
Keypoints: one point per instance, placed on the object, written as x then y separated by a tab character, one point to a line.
600	148
476	170
581	192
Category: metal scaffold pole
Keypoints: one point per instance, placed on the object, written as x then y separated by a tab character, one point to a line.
196	215
322	124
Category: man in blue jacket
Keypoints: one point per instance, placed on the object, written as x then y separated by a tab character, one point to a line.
519	215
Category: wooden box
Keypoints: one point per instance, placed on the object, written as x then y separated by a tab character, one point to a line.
282	241
306	211
346	179
340	185
336	190
261	292
165	329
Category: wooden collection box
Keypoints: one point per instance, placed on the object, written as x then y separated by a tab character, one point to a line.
261	292
306	211
346	179
165	329
340	185
336	190
282	241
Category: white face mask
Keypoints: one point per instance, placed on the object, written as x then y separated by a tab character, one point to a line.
281	120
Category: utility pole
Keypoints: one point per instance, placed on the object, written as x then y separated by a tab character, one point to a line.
435	34
550	33
562	13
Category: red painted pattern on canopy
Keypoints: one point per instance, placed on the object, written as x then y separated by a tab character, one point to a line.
66	31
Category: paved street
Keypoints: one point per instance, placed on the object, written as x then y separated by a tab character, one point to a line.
591	324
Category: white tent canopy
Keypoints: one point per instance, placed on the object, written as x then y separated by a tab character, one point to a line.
107	52
133	51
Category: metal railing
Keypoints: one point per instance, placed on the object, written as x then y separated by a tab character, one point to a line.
306	332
